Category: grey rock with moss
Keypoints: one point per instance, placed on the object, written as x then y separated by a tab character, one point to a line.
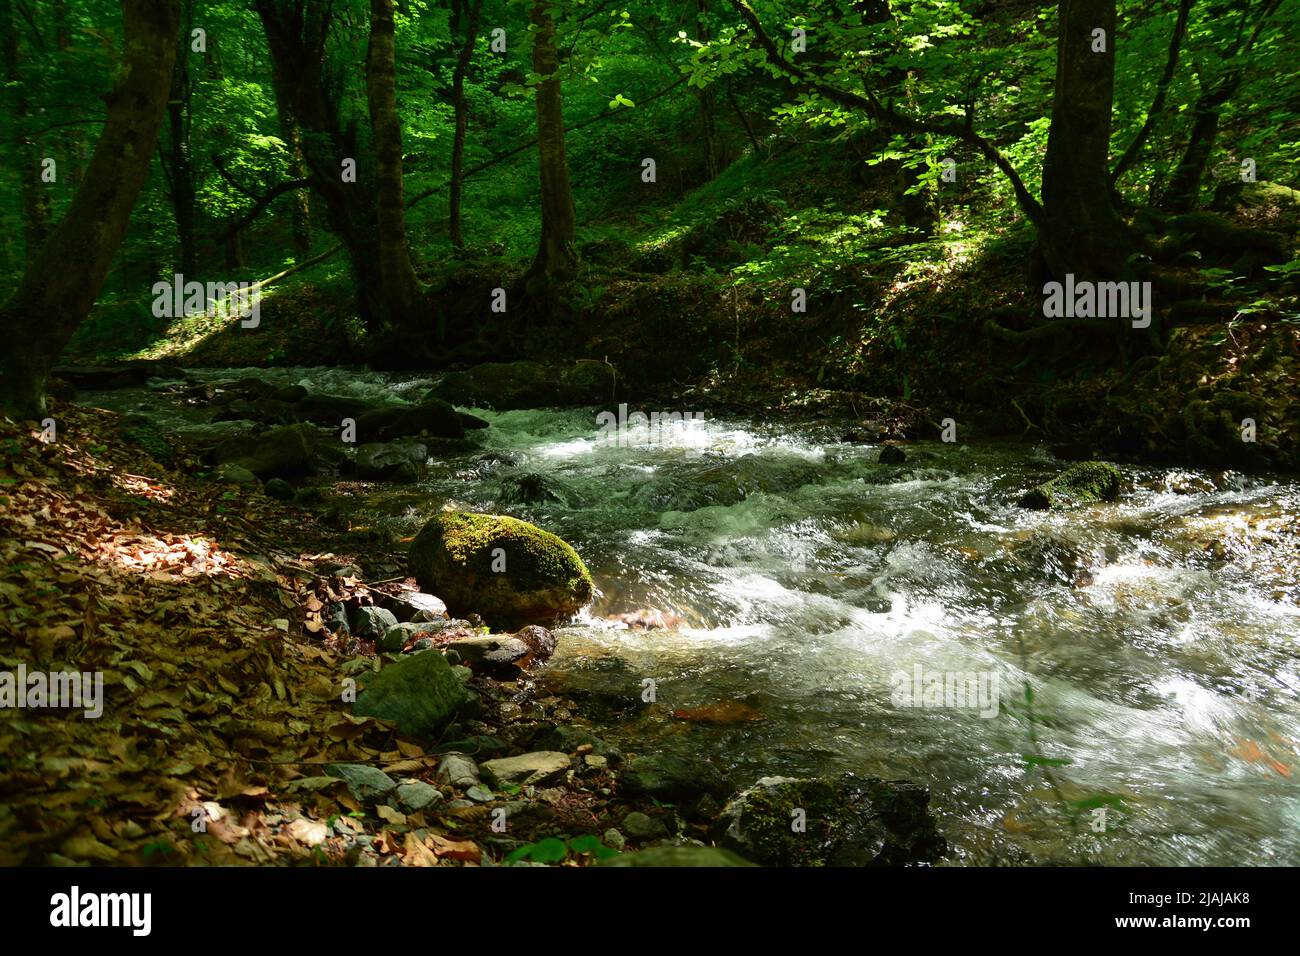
1088	482
643	828
668	777
399	635
416	795
432	417
843	821
415	606
381	461
372	623
458	770
366	783
419	693
232	474
279	489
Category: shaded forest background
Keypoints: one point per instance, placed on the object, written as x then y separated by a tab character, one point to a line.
918	170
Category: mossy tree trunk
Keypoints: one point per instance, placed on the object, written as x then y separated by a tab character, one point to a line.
64	278
556	256
1081	231
296	34
464	24
177	162
402	295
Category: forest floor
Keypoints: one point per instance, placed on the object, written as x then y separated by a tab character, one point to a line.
218	722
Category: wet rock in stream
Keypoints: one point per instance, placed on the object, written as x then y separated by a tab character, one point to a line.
1088	482
831	821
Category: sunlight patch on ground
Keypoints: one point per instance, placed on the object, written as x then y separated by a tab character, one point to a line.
143	487
166	559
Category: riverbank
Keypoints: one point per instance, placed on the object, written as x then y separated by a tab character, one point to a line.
228	629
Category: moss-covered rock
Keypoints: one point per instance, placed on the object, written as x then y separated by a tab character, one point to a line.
532	487
666	776
844	821
384	461
419	693
677	856
432	417
326	409
588	382
1084	483
499	385
1212	429
279	452
508	571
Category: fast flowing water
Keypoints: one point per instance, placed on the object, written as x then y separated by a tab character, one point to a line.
1142	655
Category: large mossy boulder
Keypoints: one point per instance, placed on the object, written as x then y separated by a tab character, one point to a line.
277	453
1085	483
1211	427
432	417
508	571
588	382
420	694
831	821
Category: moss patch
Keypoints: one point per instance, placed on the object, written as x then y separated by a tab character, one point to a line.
1084	483
508	571
419	693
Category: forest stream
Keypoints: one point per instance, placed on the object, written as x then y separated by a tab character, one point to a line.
773	582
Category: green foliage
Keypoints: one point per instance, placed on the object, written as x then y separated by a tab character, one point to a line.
553	850
761	182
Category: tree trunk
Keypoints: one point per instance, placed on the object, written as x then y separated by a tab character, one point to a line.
301	197
296	34
1185	185
178	163
62	281
401	287
464	23
1162	91
708	102
291	134
556	255
1082	232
